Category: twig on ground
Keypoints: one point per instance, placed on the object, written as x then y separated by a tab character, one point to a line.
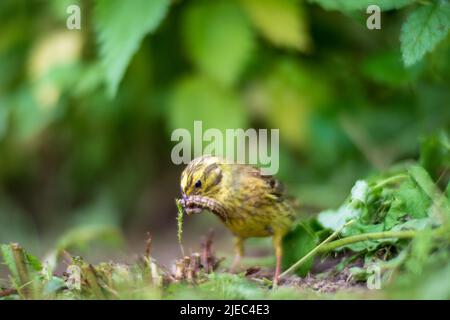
7	292
148	245
208	259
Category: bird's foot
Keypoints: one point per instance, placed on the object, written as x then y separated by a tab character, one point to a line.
275	281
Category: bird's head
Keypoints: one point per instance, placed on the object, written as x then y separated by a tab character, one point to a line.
202	186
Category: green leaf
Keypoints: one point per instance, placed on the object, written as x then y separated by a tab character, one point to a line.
33	262
394	214
421	247
360	228
282	22
423	179
218	39
423	30
120	28
347	5
415	199
440	204
297	244
412	201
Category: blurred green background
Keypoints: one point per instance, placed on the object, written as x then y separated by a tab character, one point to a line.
86	115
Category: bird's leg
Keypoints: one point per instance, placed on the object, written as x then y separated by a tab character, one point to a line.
239	248
277	243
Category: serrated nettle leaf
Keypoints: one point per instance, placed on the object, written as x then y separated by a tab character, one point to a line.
412	198
218	39
348	5
414	202
120	27
423	30
282	22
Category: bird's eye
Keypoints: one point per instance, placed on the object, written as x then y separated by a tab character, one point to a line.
198	184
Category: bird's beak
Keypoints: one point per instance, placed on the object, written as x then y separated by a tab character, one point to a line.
188	208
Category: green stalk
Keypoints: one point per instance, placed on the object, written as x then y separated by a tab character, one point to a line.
180	224
393	179
328	245
296	265
407	234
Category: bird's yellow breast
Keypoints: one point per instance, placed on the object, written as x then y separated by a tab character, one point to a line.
263	222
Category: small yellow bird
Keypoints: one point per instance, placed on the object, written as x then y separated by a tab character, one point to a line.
248	203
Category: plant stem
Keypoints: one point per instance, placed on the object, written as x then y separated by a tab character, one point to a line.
90	275
22	270
19	260
7	292
180	225
407	234
393	179
315	250
327	245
